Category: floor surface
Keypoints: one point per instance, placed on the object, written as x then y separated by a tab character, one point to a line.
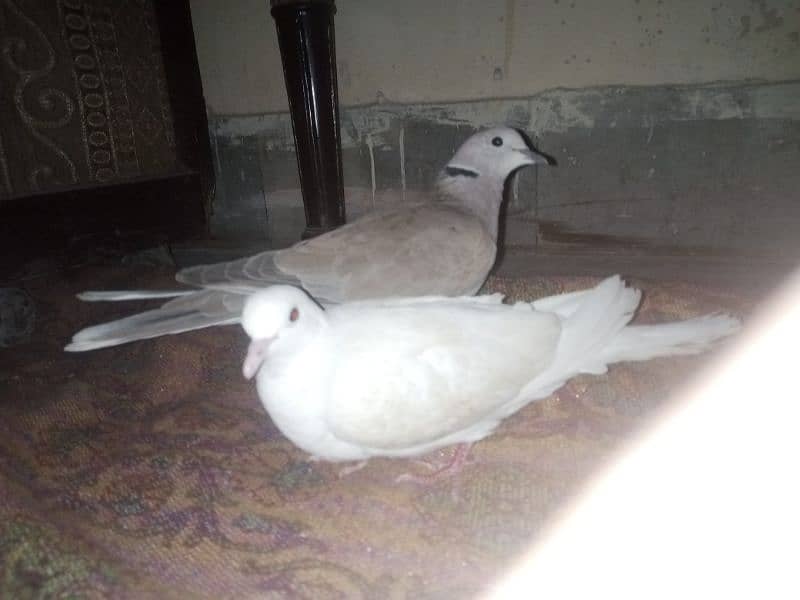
151	469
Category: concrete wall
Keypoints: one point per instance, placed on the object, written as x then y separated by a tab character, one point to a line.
675	124
418	51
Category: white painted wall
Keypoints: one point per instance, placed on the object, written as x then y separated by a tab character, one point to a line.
449	50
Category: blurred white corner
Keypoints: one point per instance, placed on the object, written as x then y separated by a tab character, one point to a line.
706	503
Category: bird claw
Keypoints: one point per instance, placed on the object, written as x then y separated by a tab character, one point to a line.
448	469
349	470
423	463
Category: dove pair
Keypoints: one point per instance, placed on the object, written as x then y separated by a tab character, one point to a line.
404	360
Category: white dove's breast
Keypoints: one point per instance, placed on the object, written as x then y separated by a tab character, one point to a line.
295	394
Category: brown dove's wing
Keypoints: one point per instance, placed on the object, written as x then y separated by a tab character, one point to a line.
185	313
413	251
416	250
244	276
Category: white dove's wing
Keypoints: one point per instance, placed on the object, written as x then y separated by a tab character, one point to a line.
426	249
425	372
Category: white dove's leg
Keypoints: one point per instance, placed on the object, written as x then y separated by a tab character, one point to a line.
447	469
352	468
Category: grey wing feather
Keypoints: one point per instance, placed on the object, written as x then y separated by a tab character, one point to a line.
415	250
244	276
411	251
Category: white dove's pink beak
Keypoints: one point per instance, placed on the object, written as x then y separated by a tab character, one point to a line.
256	355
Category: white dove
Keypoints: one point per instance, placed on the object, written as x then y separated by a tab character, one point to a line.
402	377
442	247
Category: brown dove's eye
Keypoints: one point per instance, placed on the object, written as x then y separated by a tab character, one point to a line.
294	315
497	141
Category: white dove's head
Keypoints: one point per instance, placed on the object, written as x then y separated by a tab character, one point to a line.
279	317
493	153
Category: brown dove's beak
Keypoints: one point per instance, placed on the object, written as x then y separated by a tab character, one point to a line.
534	157
256	355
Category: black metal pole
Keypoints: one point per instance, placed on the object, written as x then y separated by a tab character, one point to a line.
308	52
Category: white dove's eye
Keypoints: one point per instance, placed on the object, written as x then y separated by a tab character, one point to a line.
294	314
497	141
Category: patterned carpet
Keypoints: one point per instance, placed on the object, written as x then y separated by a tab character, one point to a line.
151	470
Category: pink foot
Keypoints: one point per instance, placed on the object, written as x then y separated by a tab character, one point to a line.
448	469
352	468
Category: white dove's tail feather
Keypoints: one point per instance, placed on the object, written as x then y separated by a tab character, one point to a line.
122	295
589	324
596	334
590	319
643	342
564	305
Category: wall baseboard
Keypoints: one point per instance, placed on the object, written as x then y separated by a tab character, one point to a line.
697	168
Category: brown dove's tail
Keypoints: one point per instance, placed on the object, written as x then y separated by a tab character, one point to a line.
123	295
186	312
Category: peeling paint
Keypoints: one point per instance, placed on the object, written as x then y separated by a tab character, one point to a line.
371	148
769	16
427	52
402	143
509	37
553	111
744	21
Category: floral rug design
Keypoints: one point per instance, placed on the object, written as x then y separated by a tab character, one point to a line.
151	469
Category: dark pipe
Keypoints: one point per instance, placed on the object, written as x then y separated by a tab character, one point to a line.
308	51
